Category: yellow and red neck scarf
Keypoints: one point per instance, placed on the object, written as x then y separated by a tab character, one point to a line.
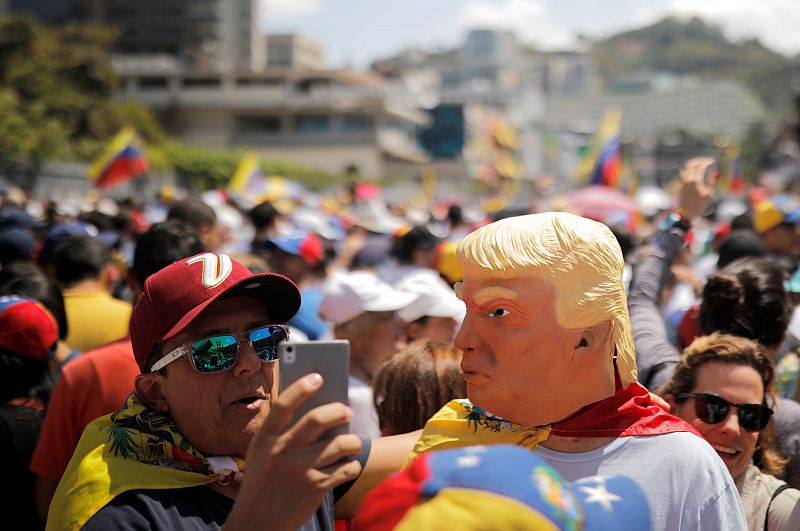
134	448
630	412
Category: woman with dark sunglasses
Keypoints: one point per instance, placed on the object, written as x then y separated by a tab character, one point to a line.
723	387
746	298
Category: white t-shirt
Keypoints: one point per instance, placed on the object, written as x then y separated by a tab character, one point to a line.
686	483
365	418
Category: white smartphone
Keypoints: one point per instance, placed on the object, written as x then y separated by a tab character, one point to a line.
330	359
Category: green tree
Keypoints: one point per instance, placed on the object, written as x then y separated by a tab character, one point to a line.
203	168
56	86
57	101
754	151
57	96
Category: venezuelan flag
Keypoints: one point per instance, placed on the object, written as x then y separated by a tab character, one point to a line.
603	161
730	178
737	178
121	161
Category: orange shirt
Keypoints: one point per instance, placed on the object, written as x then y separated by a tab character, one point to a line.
94	384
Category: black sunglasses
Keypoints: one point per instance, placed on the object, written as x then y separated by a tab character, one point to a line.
713	409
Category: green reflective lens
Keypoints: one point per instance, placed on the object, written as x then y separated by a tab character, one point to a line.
214	354
218	353
265	341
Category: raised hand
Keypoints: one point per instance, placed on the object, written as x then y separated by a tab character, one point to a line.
288	471
695	192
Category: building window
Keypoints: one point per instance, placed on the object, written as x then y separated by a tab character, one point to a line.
313	123
352	123
259	82
201	82
311	84
152	83
259	124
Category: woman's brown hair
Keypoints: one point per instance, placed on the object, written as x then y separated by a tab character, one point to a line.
415	383
736	350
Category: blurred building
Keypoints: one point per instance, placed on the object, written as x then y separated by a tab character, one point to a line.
333	120
446	135
661	113
491	70
49	11
565	73
202	35
293	51
698	107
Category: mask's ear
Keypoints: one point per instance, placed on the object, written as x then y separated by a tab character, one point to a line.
593	337
149	387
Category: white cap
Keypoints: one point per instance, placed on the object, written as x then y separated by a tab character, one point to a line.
377	218
434	299
651	200
348	295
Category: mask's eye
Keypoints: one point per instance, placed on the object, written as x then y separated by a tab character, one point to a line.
500	312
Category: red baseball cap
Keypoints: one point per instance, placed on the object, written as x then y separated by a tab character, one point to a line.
175	296
26	328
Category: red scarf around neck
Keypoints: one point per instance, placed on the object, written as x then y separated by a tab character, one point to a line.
629	412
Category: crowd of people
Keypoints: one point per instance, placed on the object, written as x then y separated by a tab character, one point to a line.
514	369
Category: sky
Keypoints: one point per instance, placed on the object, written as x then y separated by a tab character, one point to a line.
355	32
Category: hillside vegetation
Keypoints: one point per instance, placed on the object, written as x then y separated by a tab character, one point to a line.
696	48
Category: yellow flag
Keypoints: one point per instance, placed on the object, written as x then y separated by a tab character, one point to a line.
249	167
460	423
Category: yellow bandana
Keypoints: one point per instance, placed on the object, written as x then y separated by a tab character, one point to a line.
134	448
460	423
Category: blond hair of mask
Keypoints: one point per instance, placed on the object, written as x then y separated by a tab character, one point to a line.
578	257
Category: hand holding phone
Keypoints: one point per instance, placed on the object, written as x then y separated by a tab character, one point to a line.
292	464
329	359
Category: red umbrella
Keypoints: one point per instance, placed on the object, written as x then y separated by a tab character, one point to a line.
604	204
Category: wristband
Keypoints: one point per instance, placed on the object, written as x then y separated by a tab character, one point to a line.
677	220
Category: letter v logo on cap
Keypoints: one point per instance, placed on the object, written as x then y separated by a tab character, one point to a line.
216	268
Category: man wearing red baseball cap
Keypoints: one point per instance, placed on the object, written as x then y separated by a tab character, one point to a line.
205	334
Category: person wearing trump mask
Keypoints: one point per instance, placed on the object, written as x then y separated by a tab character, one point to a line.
549	365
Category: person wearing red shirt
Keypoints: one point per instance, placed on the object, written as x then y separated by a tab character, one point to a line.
99	381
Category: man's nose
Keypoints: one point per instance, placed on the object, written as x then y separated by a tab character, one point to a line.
247	361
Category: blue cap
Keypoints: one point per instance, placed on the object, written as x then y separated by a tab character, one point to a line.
19	219
16	244
59	233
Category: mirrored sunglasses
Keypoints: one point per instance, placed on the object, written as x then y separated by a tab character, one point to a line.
219	353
